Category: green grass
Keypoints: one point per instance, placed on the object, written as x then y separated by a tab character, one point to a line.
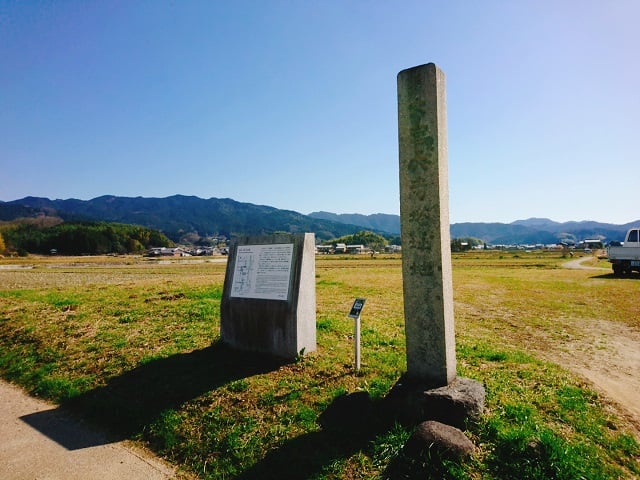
542	423
133	346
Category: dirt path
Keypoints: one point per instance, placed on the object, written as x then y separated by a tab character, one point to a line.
576	264
607	354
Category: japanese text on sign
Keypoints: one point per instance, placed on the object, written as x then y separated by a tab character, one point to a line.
262	271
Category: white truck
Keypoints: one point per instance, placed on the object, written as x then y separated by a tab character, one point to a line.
625	257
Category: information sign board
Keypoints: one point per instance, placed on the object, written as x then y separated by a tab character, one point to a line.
262	271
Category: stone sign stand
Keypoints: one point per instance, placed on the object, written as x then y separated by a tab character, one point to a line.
269	297
430	390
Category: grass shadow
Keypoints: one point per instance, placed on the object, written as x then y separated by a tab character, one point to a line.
352	423
349	424
132	401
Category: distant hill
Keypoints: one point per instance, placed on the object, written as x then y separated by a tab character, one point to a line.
177	215
378	221
542	231
530	231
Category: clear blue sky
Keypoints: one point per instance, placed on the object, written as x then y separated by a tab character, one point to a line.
293	103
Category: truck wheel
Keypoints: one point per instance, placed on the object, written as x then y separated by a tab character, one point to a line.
618	270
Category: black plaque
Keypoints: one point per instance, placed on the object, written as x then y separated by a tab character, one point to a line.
357	307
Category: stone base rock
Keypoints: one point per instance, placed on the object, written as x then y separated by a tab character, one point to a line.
445	441
454	404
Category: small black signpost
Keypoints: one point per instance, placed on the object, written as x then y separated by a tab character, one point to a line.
355	312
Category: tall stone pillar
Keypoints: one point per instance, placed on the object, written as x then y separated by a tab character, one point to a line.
424	217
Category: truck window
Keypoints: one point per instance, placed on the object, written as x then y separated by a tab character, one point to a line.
633	236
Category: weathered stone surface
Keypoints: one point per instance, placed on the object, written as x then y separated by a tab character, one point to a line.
424	224
445	441
461	401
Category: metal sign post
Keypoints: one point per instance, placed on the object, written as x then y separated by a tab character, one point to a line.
355	312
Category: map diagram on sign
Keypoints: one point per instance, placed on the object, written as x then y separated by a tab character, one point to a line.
242	275
262	271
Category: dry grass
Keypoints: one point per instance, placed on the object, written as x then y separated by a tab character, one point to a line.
133	343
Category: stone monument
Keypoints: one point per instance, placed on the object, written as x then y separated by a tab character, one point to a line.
424	224
430	389
269	297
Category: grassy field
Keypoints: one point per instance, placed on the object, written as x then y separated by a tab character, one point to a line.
132	345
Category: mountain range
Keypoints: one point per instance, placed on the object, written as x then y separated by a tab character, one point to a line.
178	215
530	231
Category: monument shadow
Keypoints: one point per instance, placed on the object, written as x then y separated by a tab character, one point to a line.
134	400
350	424
65	429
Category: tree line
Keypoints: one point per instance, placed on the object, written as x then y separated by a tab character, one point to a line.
78	238
368	239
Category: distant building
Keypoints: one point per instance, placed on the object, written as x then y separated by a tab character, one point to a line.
166	252
593	244
340	248
357	249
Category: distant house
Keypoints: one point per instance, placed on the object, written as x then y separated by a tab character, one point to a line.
166	252
593	244
205	251
357	249
340	248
